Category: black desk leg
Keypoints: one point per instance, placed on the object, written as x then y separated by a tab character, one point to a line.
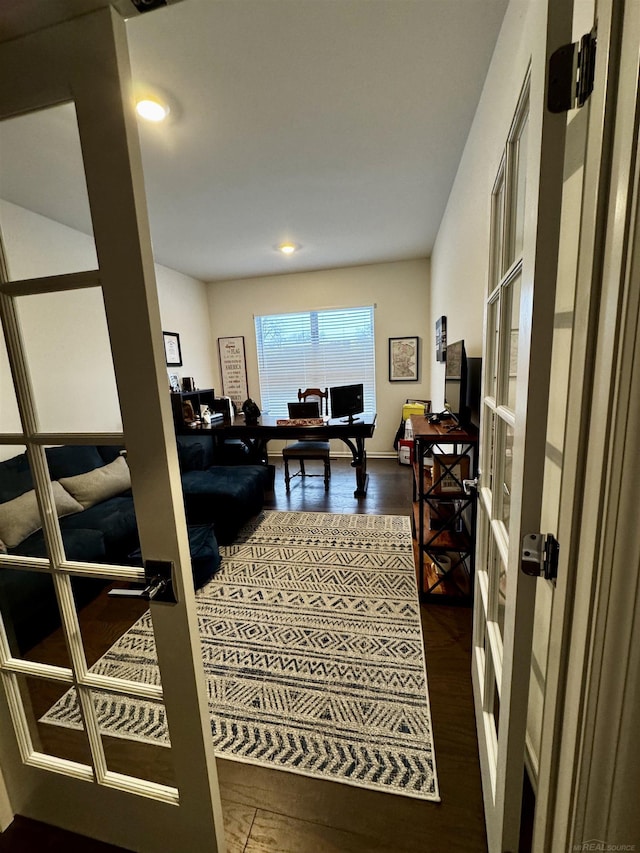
360	464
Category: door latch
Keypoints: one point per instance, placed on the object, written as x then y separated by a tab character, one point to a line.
470	486
159	585
539	557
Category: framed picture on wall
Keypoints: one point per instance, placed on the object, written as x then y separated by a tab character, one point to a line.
441	339
403	359
172	351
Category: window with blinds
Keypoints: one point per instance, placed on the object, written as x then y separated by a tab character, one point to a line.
314	349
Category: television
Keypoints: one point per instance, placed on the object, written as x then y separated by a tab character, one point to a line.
347	401
462	377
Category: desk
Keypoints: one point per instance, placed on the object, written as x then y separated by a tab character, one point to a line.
256	436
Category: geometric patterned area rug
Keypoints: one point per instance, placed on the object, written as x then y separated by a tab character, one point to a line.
313	654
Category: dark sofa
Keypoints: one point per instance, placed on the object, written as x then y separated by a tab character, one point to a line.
98	523
220	485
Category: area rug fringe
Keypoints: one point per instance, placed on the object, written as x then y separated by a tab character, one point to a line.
313	654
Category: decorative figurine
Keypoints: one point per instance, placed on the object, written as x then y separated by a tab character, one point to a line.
251	411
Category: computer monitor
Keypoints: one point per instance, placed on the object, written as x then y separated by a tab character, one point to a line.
455	378
347	401
462	384
304	410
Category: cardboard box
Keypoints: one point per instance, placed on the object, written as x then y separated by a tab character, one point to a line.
405	451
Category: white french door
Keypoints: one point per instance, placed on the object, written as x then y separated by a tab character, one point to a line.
519	312
162	798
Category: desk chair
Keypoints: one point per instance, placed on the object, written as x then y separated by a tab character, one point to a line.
307	449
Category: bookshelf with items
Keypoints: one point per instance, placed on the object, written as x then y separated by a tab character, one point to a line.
444	509
195	408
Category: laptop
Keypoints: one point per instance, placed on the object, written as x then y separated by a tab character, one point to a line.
304	410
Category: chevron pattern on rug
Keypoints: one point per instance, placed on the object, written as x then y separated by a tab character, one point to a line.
313	654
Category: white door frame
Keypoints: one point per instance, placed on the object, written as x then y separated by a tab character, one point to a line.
85	60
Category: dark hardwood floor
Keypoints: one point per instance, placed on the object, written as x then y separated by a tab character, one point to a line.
268	811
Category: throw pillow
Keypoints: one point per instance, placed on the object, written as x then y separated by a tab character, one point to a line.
100	484
20	517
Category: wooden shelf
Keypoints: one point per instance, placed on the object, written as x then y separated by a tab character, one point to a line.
439	539
436	514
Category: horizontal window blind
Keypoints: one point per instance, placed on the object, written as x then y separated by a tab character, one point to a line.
314	349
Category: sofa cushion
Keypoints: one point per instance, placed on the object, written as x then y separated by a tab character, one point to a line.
115	519
21	516
15	477
80	544
100	484
72	459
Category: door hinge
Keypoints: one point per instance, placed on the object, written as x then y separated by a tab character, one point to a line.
539	557
571	74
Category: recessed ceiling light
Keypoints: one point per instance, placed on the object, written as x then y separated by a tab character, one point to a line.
287	248
152	110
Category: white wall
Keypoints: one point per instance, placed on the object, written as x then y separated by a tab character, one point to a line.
459	281
460	259
66	334
400	292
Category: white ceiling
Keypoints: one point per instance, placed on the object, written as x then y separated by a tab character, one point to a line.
337	124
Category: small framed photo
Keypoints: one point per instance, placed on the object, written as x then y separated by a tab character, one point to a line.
174	383
441	339
448	473
172	351
403	359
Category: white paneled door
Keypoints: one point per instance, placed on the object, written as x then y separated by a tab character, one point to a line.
525	222
141	797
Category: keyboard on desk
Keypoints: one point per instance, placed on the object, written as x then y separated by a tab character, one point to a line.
300	422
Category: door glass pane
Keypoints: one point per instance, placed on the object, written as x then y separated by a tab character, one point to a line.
31	617
512	296
488	452
496	708
520	162
507	470
502	597
61	741
104	621
491	698
102	528
135	737
482	548
480	641
9	415
69	355
492	347
118	638
46	225
498	590
497	225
